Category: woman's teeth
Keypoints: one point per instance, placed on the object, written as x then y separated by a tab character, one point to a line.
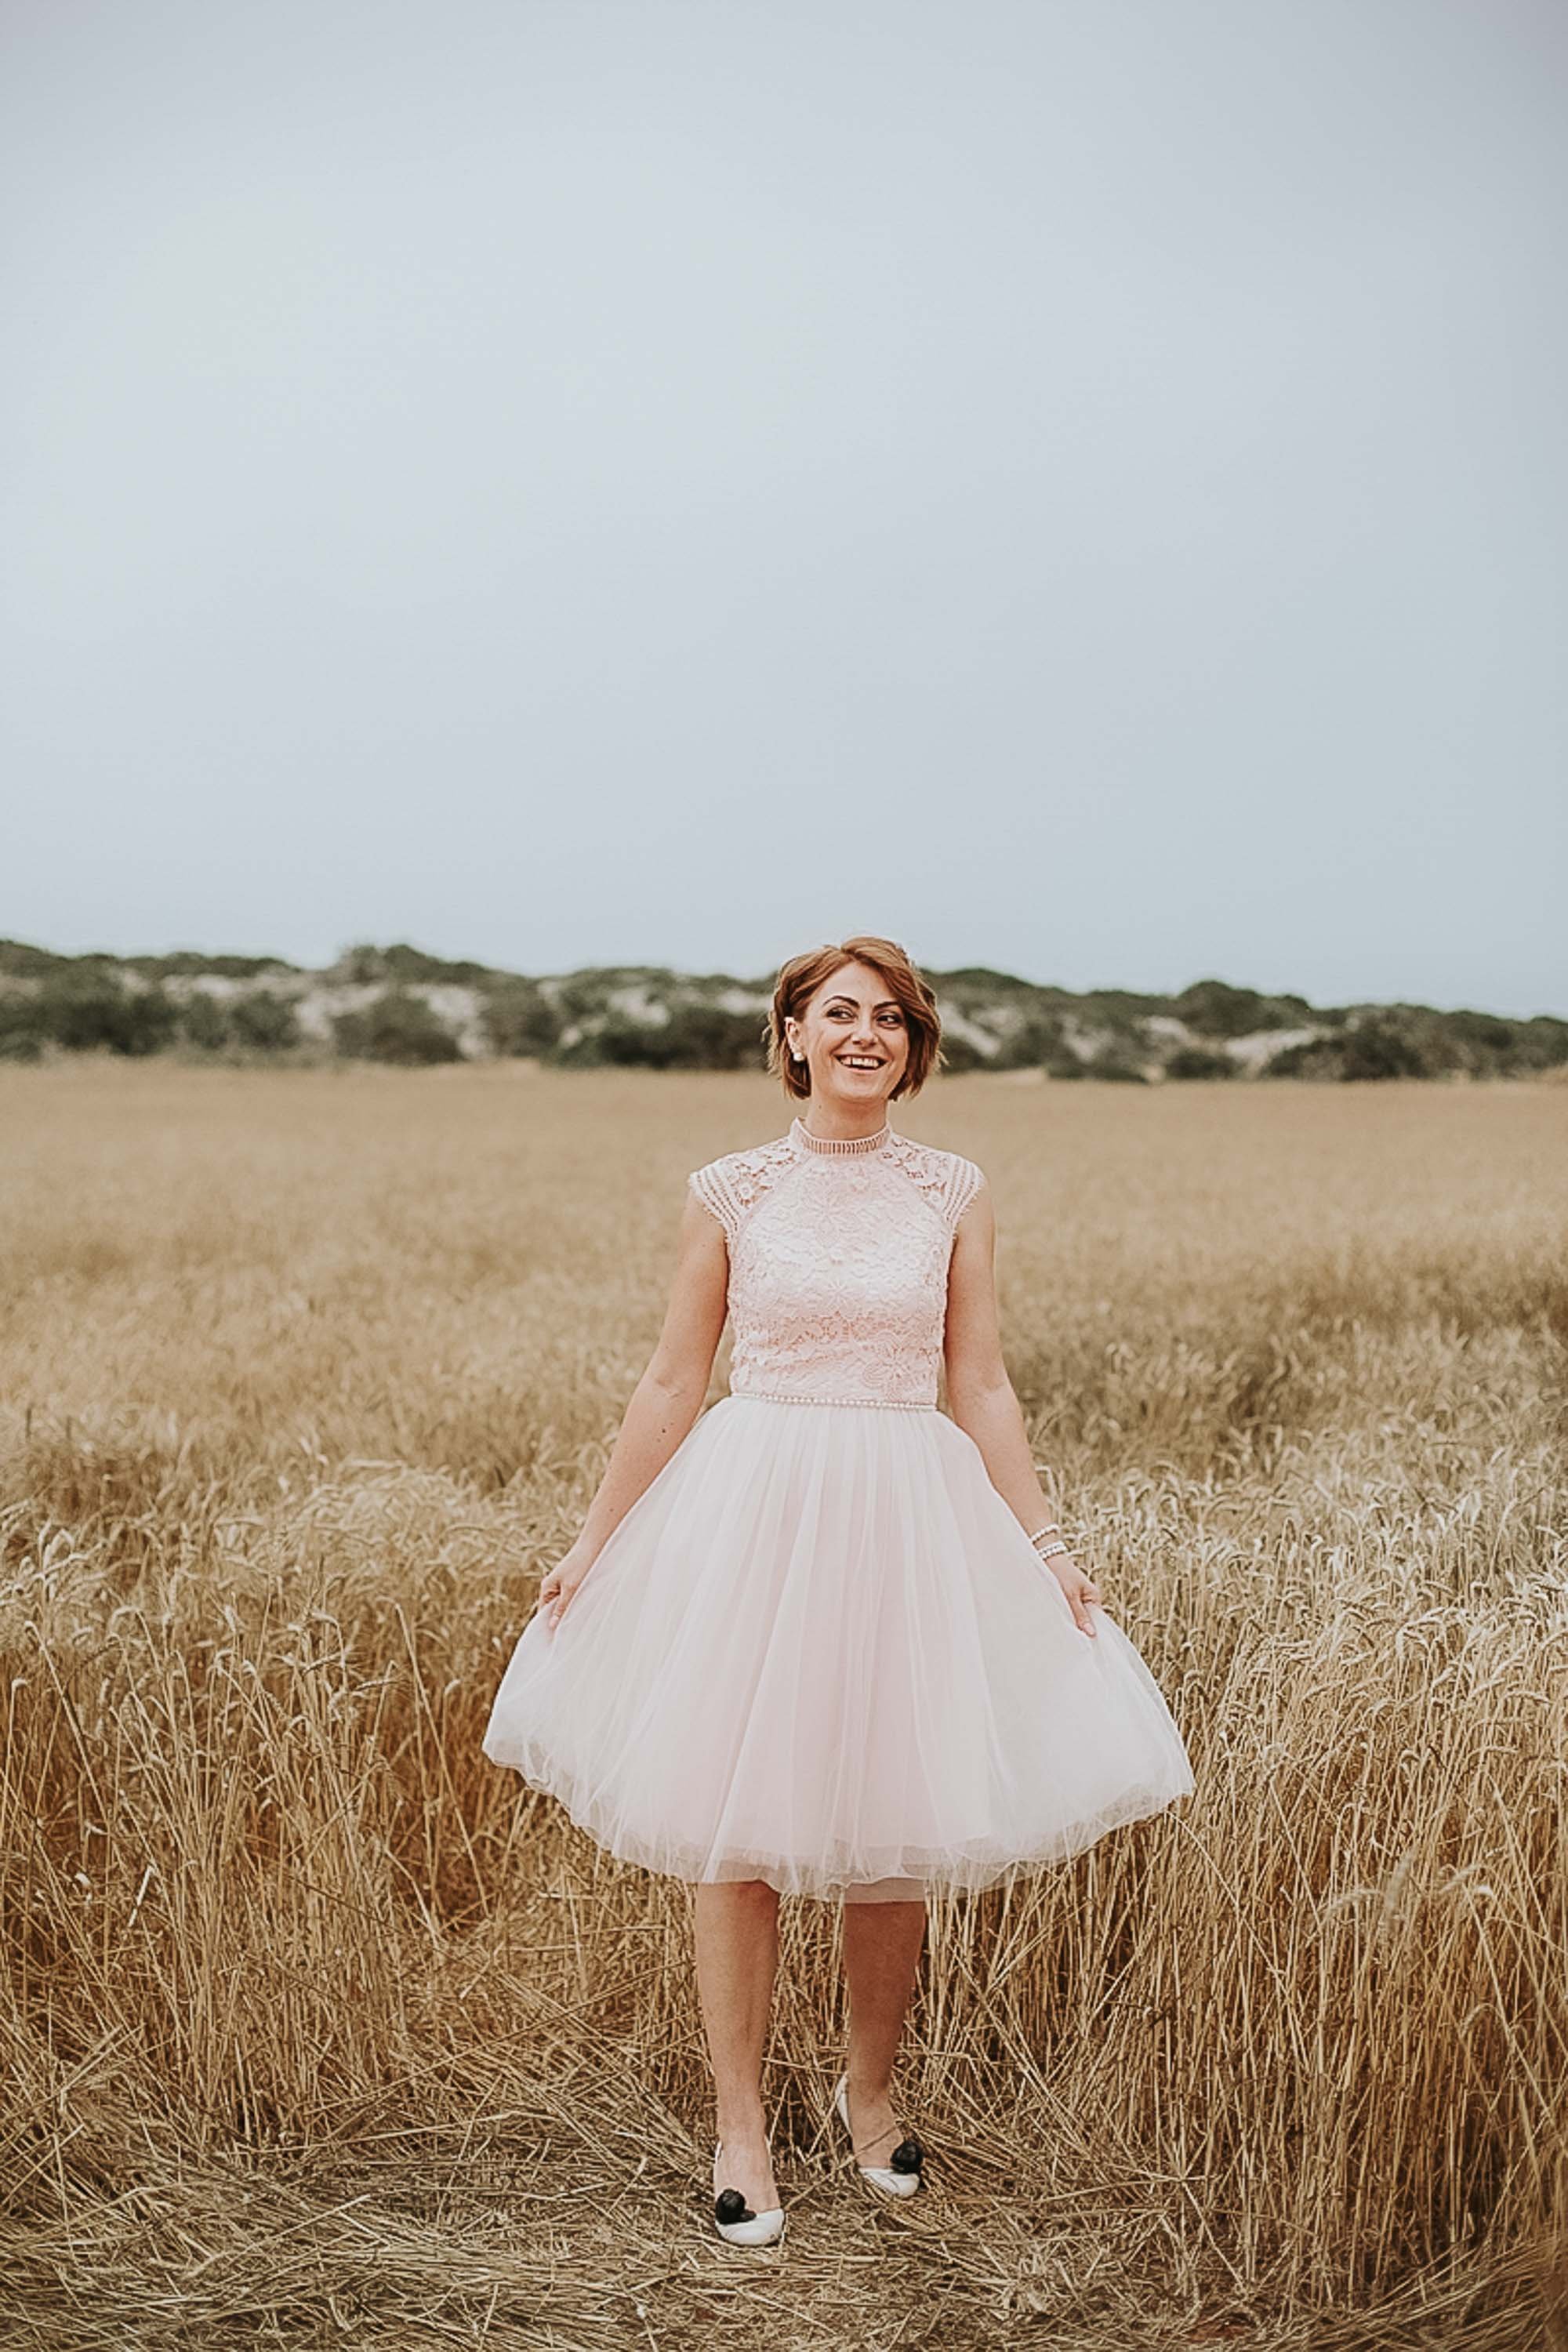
858	1062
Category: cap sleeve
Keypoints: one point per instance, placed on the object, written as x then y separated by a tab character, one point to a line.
712	1185
965	1184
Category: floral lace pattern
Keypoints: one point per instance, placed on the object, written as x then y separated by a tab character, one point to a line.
838	1263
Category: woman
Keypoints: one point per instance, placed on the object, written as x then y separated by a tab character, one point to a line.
823	1639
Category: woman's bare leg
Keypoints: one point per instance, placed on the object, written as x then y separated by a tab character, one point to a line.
881	1952
737	1954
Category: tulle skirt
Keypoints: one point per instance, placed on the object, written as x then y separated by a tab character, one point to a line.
819	1650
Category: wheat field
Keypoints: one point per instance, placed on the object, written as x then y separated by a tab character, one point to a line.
319	2029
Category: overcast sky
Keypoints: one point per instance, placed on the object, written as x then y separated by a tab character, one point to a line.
1078	486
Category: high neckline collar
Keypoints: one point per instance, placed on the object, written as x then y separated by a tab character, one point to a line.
834	1145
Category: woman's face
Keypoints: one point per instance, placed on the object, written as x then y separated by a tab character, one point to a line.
854	1037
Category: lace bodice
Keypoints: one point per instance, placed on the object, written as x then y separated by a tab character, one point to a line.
839	1260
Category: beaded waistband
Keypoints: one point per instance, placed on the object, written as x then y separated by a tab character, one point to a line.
883	1404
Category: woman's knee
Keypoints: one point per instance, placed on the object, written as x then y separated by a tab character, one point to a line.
754	1893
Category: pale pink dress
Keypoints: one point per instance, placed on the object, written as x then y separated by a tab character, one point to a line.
819	1649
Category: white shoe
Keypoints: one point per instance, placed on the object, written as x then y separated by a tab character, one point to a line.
733	2218
900	2176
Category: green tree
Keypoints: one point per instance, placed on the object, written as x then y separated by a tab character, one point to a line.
205	1023
22	1031
1214	1008
519	1018
959	1055
1376	1049
264	1020
695	1037
396	1027
84	1007
1037	1038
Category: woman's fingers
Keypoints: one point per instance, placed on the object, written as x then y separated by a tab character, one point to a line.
1077	1591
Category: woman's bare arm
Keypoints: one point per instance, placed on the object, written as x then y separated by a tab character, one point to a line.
984	1404
666	1401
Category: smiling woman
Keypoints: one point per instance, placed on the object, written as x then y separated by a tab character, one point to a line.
823	1639
859	1020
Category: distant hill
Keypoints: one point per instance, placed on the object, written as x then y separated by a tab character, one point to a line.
398	1004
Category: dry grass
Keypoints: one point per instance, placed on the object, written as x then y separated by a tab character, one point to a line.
317	2031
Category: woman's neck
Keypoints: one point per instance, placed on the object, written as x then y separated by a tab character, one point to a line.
838	1134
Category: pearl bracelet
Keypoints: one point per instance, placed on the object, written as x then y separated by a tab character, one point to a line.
1050	1528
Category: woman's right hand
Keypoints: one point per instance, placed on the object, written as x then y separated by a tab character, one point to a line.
560	1582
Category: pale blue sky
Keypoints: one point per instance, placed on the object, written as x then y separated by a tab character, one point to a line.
1076	485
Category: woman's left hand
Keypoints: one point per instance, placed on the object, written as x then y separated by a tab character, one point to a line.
1079	1589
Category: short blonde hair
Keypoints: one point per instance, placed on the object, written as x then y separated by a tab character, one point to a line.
799	981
